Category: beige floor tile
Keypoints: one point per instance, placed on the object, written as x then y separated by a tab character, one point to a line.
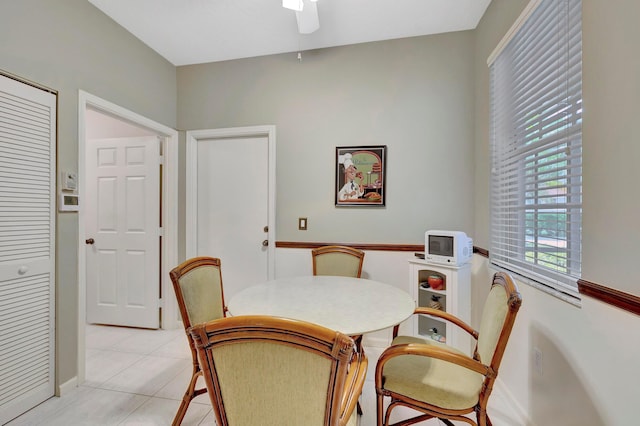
105	337
95	407
125	386
160	412
177	347
146	341
209	420
147	376
176	388
46	410
101	365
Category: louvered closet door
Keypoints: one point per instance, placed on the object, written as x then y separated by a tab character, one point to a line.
27	263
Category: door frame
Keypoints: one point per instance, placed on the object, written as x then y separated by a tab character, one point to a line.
191	208
169	254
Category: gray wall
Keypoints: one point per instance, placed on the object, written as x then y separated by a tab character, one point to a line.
590	352
611	143
69	45
414	95
611	148
427	99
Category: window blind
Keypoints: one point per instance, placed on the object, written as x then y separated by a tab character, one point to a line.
536	147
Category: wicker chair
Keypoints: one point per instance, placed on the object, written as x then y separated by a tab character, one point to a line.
197	283
341	261
337	260
271	371
440	381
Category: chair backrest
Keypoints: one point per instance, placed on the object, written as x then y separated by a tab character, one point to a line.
337	260
498	316
197	283
263	370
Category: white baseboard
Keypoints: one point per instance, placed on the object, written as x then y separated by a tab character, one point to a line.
68	386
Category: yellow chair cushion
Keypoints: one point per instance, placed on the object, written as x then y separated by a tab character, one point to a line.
494	314
272	384
340	264
430	380
201	291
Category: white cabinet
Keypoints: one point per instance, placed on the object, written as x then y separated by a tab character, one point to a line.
455	299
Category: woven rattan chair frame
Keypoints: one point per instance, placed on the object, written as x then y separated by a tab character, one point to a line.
176	275
347	365
333	249
488	368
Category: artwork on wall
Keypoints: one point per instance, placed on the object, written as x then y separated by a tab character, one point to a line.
360	175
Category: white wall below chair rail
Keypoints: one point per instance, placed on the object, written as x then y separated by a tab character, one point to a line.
392	267
588	356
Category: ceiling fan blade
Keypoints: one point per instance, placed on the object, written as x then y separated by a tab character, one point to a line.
308	21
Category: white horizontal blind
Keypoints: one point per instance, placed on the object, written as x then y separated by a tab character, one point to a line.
27	246
536	148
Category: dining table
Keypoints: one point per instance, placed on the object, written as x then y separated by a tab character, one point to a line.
352	306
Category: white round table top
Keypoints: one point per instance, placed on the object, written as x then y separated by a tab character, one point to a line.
353	306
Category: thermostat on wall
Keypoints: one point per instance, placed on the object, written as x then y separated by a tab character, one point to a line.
68	203
68	181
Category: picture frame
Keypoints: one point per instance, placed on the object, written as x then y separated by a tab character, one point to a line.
360	179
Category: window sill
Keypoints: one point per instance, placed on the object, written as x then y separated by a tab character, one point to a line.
607	295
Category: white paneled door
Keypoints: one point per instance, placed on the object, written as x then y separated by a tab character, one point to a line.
27	246
123	231
230	197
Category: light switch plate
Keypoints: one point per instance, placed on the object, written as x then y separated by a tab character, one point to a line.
302	223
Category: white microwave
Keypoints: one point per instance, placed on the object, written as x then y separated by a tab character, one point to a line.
447	247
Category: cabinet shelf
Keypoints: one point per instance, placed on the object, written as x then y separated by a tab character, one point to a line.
427	336
433	317
430	290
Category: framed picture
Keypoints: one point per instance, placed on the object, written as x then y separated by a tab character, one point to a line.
360	175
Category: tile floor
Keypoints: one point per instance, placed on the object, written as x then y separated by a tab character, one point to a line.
138	377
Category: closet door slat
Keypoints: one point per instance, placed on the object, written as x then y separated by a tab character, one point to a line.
27	246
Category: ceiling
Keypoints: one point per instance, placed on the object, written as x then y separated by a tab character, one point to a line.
198	31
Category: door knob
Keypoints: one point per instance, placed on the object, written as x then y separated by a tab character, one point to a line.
265	243
90	241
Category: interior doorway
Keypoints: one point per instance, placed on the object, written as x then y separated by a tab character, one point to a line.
95	118
230	206
123	226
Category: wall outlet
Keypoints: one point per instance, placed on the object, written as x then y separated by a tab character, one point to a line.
302	223
537	361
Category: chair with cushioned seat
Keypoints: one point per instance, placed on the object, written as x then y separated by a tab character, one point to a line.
270	371
197	283
340	261
440	381
343	261
337	260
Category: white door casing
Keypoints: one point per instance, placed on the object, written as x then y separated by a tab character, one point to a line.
27	246
230	201
122	228
169	256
